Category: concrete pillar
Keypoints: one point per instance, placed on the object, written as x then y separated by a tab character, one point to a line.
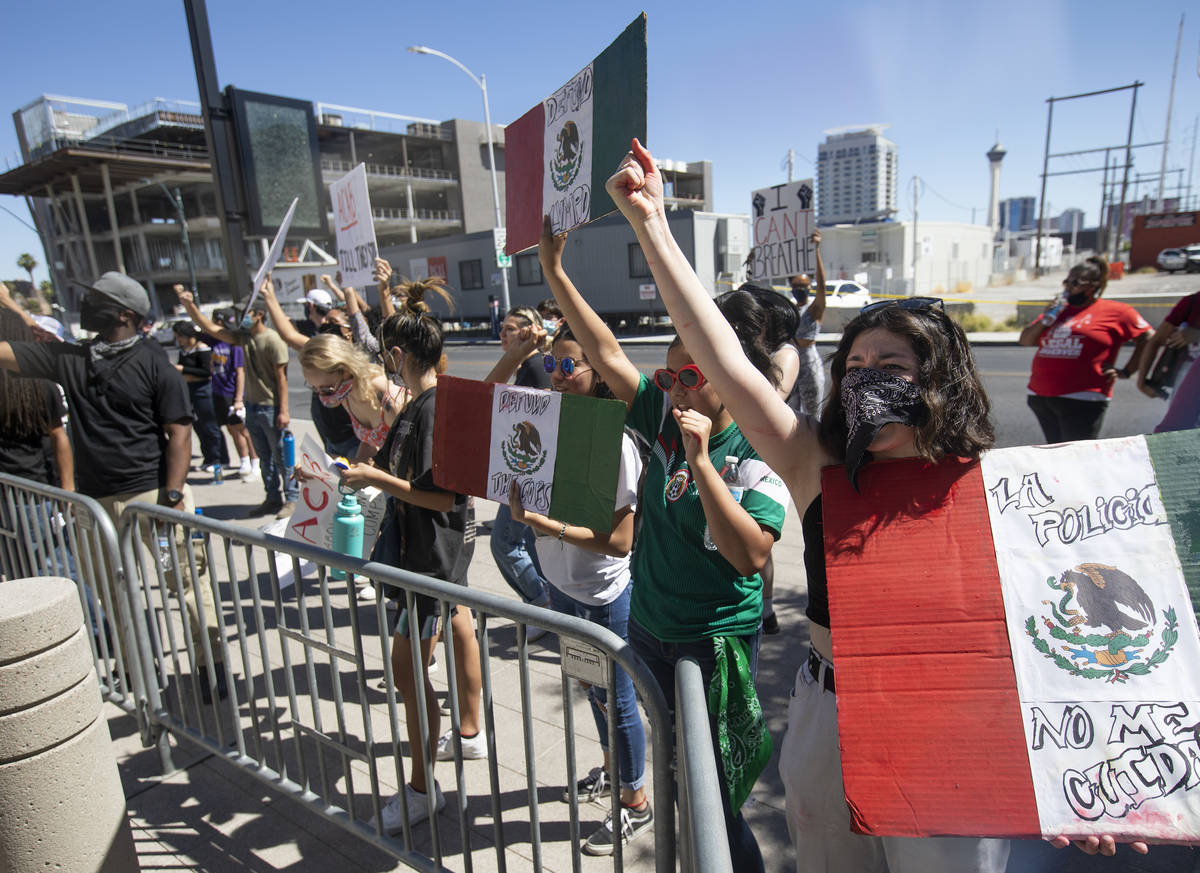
85	227
112	218
61	802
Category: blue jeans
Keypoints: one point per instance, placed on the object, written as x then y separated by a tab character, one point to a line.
516	556
661	658
268	443
212	441
631	737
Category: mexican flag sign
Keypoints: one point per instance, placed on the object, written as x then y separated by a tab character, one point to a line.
563	450
559	154
1015	641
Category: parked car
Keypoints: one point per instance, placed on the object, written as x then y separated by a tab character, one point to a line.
845	294
1193	258
1172	260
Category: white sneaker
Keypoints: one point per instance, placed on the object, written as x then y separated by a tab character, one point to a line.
392	816
533	633
255	467
366	592
473	749
244	469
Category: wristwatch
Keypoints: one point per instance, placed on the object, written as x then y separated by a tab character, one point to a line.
174	497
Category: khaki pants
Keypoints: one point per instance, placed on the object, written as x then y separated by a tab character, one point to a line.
114	505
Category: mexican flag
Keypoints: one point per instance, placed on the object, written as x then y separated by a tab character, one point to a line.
1015	642
562	449
559	154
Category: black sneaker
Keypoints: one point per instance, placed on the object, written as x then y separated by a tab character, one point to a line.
770	624
634	822
595	786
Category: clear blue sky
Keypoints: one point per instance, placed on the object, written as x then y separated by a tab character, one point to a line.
734	84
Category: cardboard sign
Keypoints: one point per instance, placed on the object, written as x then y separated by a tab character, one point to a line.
1022	661
559	154
781	219
356	247
562	450
273	253
312	522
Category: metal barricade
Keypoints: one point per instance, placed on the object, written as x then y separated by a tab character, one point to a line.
45	531
703	840
307	713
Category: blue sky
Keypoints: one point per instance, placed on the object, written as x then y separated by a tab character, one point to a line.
735	84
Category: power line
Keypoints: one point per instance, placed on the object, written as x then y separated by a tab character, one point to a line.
928	187
19	218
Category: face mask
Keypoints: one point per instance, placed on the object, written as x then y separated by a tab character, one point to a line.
340	394
872	399
1078	298
99	317
800	294
247	321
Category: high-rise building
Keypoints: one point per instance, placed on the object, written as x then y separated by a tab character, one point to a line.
1018	214
856	175
1070	220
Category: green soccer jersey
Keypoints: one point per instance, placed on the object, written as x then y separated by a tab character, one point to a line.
682	590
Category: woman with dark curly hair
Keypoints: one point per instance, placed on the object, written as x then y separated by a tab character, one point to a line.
904	385
1078	338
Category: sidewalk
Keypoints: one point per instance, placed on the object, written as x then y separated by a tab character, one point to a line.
211	817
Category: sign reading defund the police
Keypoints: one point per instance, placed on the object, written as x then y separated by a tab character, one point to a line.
356	247
1025	652
781	219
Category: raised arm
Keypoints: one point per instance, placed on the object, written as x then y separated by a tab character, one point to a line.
210	327
511	361
816	309
6	300
601	347
383	275
786	442
283	325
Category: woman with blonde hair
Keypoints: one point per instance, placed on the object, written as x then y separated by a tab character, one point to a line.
341	374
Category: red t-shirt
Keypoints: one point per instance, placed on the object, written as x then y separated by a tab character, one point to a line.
1080	344
1186	310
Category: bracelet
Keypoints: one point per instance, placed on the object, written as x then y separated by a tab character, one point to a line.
563	532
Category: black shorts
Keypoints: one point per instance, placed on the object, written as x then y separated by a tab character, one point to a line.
221	404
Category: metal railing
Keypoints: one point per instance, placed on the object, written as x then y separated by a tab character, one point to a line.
305	710
703	840
45	531
338	166
396	212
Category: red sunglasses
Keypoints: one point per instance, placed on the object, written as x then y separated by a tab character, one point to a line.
689	377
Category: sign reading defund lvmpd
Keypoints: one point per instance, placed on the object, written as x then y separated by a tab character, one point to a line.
781	219
356	247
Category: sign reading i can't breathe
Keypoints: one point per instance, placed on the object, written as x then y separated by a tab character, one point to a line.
356	247
781	219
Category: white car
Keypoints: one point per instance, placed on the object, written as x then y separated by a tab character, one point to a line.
845	294
1172	260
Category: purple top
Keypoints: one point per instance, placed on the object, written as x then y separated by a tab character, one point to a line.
226	361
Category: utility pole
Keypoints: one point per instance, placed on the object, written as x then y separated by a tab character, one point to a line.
1125	176
791	159
1037	257
1170	103
1192	162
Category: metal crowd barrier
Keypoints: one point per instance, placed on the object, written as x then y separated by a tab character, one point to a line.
45	531
703	840
305	712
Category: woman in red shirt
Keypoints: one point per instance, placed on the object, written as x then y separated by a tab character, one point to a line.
1078	338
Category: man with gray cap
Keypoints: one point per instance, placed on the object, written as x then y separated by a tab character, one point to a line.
131	419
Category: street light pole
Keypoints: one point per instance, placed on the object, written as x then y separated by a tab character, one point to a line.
481	82
176	199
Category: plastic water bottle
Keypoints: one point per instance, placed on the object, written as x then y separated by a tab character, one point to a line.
198	534
1051	314
347	531
729	475
218	474
164	549
289	449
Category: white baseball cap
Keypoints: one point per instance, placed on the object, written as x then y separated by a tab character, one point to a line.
320	297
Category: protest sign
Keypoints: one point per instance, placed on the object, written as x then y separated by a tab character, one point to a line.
356	248
312	522
781	219
272	254
559	154
1015	640
562	449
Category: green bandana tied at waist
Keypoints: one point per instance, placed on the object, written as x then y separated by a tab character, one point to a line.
742	734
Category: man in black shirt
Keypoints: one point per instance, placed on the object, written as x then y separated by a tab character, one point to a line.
131	420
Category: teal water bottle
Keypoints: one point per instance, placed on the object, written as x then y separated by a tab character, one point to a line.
347	531
289	450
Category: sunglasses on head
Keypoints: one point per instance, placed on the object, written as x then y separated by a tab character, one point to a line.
566	366
688	376
1077	281
906	303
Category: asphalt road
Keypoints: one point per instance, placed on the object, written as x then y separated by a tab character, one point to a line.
1005	371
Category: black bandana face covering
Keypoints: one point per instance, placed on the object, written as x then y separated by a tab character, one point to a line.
870	400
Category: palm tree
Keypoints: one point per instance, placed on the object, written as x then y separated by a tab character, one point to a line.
27	262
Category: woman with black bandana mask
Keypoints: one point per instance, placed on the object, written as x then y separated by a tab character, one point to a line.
903	385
